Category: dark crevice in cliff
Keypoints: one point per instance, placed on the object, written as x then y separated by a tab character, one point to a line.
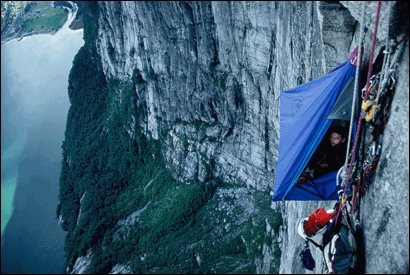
215	59
238	97
272	54
266	139
214	114
192	26
291	49
214	40
399	19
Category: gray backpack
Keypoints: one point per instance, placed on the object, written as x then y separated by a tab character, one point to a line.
340	253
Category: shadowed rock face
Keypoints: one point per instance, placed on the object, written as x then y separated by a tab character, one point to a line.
209	77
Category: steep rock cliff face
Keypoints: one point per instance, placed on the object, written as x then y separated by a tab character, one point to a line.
212	75
207	77
219	65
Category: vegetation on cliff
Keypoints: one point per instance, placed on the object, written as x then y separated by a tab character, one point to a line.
133	212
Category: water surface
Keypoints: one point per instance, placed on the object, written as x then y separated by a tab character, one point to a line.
34	74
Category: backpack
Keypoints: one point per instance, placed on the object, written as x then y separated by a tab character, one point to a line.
340	252
337	242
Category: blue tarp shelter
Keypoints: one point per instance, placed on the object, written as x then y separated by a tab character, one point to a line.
304	121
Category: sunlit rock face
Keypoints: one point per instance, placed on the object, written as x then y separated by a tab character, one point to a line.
209	75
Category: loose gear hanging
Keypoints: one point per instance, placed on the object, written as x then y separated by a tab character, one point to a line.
307	258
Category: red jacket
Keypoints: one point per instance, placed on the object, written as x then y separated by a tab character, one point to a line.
316	220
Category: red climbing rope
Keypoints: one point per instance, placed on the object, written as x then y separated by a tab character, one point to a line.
362	113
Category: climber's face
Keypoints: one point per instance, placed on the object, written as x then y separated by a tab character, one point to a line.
335	139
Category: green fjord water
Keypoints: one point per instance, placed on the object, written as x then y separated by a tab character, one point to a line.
34	106
9	178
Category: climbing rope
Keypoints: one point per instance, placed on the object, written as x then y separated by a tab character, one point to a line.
359	173
362	113
381	84
371	156
356	84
